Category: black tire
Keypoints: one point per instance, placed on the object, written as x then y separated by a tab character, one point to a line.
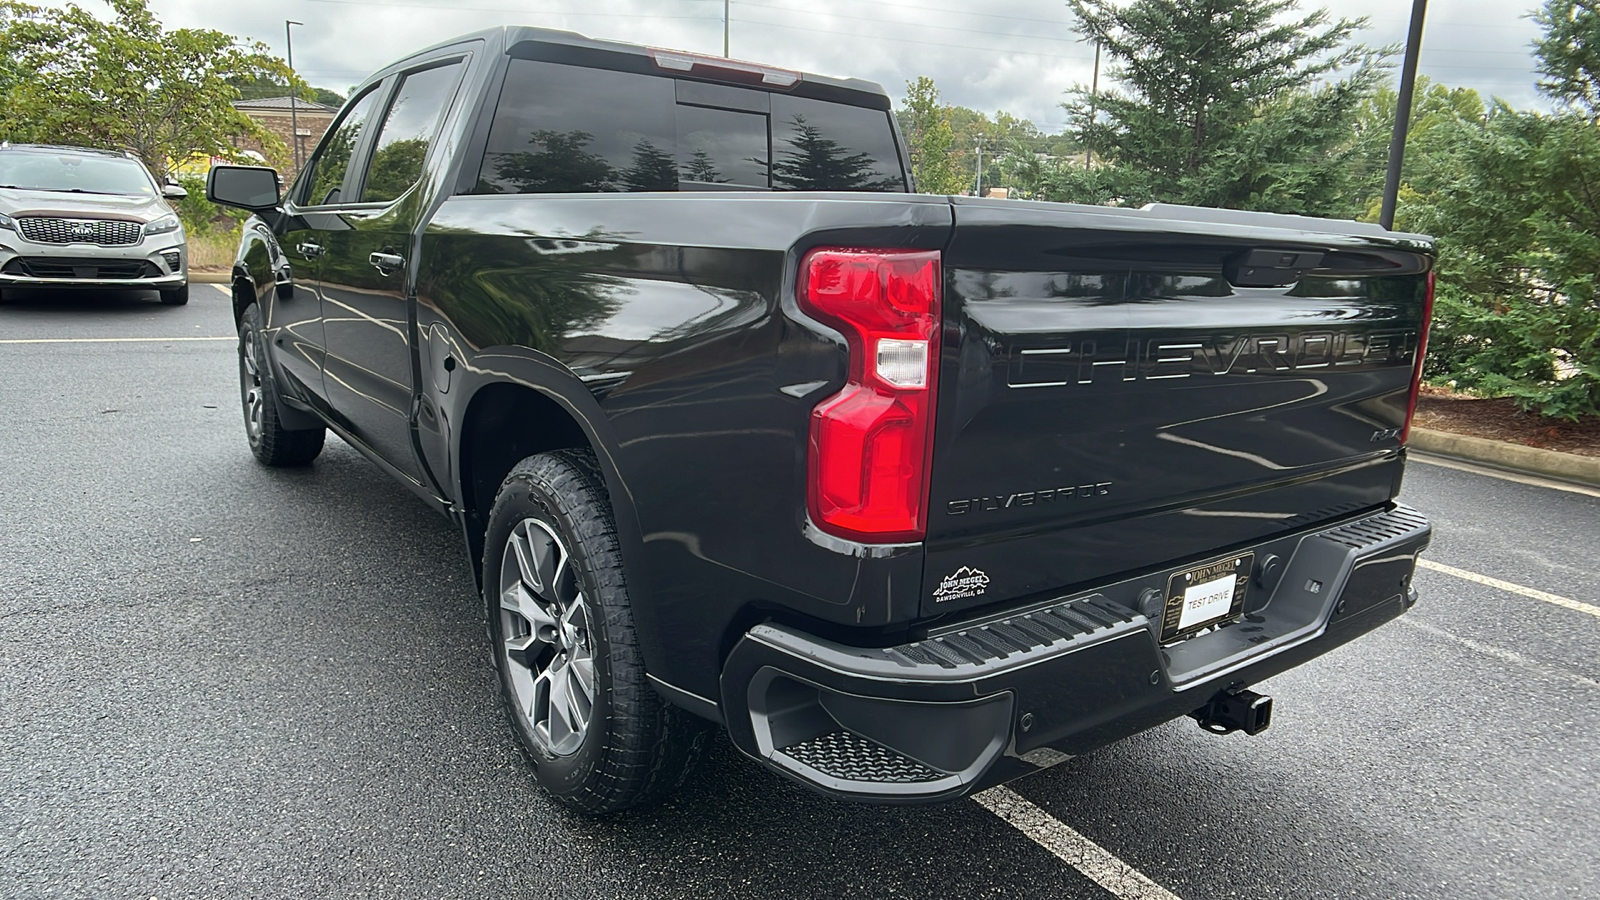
634	747
271	443
178	296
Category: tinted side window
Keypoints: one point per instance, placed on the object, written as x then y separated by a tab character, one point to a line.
722	146
328	169
564	129
408	130
819	146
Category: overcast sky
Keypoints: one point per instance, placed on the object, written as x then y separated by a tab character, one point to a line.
1015	55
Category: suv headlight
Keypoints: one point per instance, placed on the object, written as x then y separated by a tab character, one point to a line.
8	223
164	225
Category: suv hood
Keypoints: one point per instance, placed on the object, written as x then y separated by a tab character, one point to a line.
15	202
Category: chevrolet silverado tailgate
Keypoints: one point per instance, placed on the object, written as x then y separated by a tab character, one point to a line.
1129	389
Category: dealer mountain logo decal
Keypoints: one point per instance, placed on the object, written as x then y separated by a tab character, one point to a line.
962	584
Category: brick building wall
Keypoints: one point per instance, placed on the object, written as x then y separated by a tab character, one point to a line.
273	115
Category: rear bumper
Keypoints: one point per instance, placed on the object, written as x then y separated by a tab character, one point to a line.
996	699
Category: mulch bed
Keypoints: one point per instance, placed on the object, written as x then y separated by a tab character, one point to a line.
1501	420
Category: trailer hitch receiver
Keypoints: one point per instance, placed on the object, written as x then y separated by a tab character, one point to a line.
1231	711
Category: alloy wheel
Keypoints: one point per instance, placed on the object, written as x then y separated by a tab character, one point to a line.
546	637
250	385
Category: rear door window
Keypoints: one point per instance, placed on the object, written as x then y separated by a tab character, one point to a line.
564	129
408	130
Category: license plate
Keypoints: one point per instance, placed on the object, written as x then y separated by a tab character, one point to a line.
1201	597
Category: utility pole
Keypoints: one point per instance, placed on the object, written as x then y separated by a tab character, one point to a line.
1402	114
294	102
980	166
725	5
1094	95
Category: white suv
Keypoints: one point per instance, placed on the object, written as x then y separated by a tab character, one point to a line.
71	217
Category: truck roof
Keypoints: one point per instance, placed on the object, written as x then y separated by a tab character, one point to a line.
512	37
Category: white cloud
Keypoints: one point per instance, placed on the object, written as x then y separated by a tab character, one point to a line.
1017	55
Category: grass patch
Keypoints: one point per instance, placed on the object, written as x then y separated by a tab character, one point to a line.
213	251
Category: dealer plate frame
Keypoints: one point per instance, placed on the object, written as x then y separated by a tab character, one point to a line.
1242	566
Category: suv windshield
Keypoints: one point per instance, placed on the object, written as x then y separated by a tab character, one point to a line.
32	170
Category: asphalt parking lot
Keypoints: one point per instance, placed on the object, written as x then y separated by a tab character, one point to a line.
219	679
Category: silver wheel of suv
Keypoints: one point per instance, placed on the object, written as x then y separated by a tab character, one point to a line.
546	637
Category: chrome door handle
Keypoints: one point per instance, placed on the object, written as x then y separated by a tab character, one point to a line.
387	263
310	250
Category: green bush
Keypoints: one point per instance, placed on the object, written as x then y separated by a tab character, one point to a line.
200	216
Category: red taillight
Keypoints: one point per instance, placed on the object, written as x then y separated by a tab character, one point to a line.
1422	352
872	443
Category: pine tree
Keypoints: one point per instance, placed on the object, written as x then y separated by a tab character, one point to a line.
1228	103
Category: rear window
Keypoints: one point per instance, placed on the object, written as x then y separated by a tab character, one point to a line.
567	129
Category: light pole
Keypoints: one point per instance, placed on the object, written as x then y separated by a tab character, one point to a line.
725	4
980	166
294	102
1402	114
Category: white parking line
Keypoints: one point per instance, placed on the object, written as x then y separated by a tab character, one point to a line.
1557	599
1460	466
1072	848
1516	659
115	340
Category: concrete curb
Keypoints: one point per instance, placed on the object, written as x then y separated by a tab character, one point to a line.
208	277
1531	460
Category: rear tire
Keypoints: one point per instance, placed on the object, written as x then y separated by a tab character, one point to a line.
271	443
565	645
176	297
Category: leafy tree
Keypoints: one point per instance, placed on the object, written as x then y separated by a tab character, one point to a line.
395	167
128	83
1569	53
929	139
1518	307
1433	144
1225	103
561	163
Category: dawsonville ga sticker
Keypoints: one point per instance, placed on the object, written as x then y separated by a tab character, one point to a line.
963	583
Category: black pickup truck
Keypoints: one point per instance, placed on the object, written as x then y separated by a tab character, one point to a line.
913	494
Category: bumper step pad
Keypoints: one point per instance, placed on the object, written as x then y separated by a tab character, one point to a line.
850	757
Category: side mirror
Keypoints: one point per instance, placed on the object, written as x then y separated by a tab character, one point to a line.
174	192
253	188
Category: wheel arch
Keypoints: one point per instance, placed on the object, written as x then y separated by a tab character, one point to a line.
513	408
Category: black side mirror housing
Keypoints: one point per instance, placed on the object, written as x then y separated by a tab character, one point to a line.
253	188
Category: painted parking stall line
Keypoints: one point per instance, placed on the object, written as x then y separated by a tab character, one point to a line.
115	340
1094	861
1509	587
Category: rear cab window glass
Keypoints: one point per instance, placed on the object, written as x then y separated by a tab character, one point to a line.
570	129
324	175
818	146
408	130
722	146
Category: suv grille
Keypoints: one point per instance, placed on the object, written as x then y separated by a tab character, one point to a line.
105	232
92	269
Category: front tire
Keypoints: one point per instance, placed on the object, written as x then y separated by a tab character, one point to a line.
565	646
271	443
178	296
